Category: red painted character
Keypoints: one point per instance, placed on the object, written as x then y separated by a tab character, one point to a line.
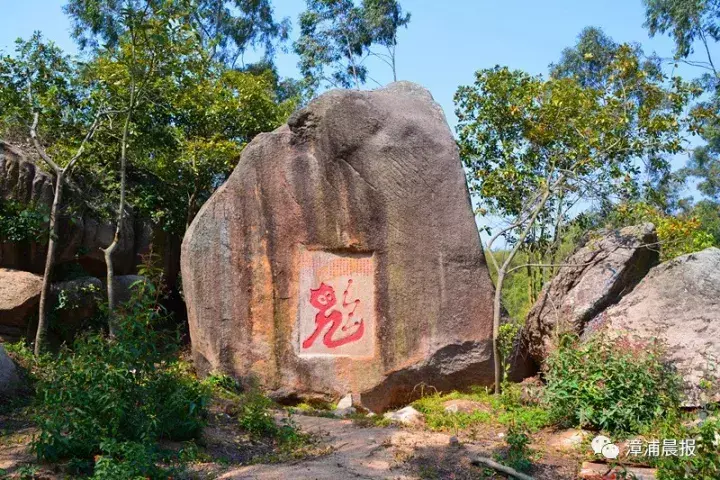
323	298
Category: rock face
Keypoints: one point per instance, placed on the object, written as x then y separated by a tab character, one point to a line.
342	256
19	297
609	265
80	238
124	287
8	374
678	303
74	302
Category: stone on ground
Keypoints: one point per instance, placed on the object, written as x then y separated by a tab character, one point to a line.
345	406
465	406
407	416
677	304
342	255
567	440
609	265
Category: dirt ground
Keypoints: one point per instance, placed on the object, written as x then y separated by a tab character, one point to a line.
398	454
344	450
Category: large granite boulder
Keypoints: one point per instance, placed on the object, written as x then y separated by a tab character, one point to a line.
81	237
9	379
19	298
609	265
678	304
342	256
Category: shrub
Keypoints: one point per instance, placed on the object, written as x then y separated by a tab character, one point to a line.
126	461
518	452
22	223
255	416
704	464
121	389
609	385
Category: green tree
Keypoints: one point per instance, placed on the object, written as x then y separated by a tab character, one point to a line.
694	25
41	80
191	114
384	18
226	28
533	146
339	35
144	44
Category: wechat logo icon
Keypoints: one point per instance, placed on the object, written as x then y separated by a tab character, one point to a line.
602	445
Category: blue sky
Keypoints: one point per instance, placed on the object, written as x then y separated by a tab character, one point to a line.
446	42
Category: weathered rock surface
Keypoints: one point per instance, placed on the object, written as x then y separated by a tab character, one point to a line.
609	265
19	297
74	302
80	237
124	287
677	303
358	206
8	374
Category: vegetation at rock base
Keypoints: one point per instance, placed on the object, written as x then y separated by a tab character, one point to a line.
21	223
613	385
117	396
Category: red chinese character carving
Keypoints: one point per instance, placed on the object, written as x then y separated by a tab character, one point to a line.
323	298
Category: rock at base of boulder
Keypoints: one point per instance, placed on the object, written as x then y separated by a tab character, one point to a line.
677	304
9	379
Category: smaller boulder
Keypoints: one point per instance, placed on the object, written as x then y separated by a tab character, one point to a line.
19	297
9	379
406	416
677	304
567	440
345	406
596	276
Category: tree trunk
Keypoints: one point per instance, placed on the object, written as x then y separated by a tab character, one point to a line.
120	216
502	271
497	305
42	326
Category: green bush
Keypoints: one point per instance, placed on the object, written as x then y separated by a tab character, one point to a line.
22	223
122	389
610	385
518	452
704	464
256	417
126	461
